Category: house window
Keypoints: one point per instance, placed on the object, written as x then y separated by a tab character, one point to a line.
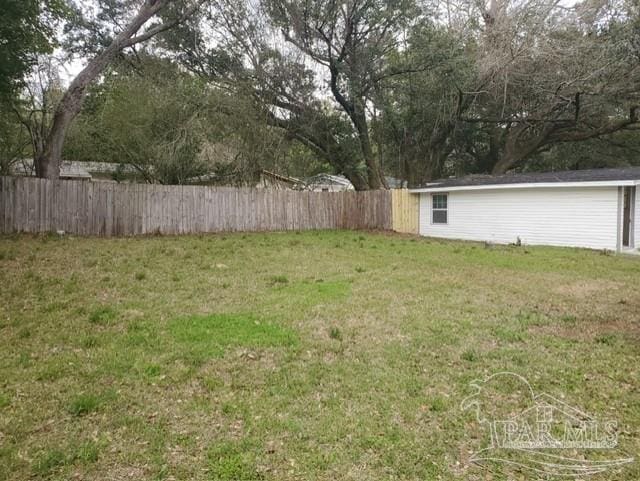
439	208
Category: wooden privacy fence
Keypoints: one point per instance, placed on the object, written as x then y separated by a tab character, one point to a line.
405	208
107	209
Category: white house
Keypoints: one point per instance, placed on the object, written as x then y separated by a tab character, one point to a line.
596	208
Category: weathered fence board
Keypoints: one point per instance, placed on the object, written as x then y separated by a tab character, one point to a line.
106	209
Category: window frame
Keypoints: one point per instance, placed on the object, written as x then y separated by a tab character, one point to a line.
435	209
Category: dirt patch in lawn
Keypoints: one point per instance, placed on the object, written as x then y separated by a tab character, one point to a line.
590	287
604	332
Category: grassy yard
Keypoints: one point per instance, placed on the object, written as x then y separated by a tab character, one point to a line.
298	356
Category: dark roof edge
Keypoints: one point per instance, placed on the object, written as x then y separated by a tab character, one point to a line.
566	176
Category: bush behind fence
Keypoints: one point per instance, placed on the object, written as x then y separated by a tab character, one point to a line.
108	209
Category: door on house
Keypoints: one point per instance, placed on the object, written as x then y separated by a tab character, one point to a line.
627	216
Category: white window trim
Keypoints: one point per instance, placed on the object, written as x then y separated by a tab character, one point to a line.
446	194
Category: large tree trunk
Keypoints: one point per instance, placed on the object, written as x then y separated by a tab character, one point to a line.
48	164
504	164
517	147
38	145
359	182
355	110
374	175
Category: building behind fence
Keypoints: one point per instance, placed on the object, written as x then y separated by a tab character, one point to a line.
107	209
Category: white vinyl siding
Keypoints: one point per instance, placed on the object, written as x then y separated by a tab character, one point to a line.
563	216
636	220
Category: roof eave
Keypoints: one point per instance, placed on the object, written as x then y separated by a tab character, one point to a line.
527	185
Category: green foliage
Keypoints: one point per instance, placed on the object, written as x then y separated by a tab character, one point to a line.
310	293
155	121
421	97
470	355
14	139
52	460
618	150
175	129
279	279
86	453
417	124
26	30
437	404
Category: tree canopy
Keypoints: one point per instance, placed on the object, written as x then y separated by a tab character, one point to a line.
27	29
223	89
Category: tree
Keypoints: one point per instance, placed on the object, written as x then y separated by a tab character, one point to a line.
418	126
153	118
374	86
552	77
26	31
286	89
48	163
174	127
620	149
14	141
238	49
352	40
35	104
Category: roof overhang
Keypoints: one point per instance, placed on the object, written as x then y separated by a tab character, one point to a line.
529	185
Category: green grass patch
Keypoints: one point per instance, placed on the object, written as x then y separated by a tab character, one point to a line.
86	453
335	333
279	279
310	293
210	336
509	334
152	370
232	461
54	460
470	355
89	342
102	315
49	461
84	404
